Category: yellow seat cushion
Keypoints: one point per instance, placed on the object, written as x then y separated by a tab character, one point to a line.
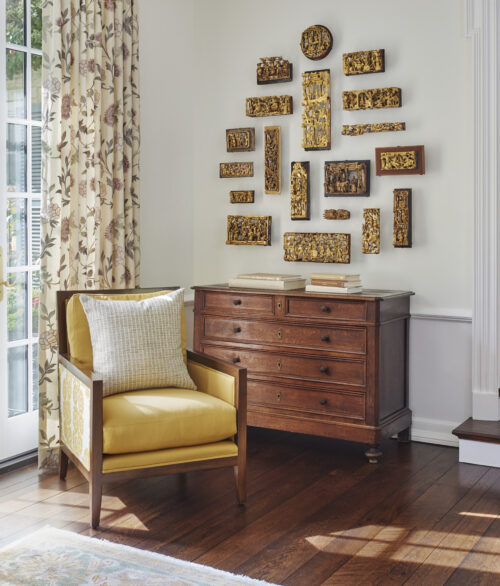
156	419
77	326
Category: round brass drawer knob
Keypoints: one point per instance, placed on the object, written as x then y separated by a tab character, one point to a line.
323	369
236	360
322	401
325	308
237	330
325	338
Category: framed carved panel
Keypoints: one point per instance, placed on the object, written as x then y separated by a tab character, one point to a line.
336	214
402	234
229	170
316	117
364	62
273	70
240	140
371	231
299	191
359	129
272	159
317	247
401	160
347	178
316	42
249	230
269	106
386	97
241	196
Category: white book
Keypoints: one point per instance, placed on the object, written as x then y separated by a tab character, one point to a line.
269	277
327	289
268	284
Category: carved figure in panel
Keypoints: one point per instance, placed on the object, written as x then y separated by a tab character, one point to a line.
241	196
273	70
359	129
240	140
371	231
401	160
229	170
251	230
364	62
336	214
316	42
347	178
269	106
317	247
387	97
316	118
299	191
402	234
272	159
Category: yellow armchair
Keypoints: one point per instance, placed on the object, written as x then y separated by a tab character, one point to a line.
148	432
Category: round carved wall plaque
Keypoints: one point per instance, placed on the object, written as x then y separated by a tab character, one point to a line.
316	42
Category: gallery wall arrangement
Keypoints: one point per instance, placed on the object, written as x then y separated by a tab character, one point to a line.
341	178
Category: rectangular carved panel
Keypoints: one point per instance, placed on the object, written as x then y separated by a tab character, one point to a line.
228	170
273	70
240	140
299	191
387	97
269	106
401	160
401	237
253	230
347	178
336	214
316	118
364	62
359	129
272	159
317	247
371	231
241	196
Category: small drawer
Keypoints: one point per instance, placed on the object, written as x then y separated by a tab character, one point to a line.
326	308
239	303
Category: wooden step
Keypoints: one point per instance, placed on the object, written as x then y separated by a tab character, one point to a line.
479	431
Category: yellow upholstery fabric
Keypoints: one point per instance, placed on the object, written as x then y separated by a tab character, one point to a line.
117	463
77	326
155	419
215	383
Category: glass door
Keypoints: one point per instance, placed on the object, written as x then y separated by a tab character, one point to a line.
20	154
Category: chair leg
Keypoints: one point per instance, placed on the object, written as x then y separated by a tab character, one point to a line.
95	494
63	465
240	476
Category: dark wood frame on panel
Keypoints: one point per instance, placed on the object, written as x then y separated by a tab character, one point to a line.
366	193
420	154
283	70
234	132
325	48
397	226
95	475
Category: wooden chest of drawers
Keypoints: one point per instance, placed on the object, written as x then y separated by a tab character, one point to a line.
331	365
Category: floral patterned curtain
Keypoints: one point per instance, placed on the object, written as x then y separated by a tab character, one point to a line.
90	174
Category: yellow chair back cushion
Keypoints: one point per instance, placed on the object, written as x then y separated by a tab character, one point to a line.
77	326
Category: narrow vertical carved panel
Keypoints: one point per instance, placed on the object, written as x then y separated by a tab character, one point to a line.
371	231
299	191
316	118
272	159
402	235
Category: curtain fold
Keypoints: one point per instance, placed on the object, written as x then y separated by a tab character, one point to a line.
90	170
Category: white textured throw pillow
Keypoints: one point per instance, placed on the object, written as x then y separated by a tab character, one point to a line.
137	344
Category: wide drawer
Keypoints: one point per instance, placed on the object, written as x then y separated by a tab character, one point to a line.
239	303
331	339
324	369
326	308
348	405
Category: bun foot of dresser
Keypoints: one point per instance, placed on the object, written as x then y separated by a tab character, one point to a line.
373	454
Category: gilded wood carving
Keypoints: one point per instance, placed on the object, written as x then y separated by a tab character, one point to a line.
336	214
316	42
387	97
359	129
241	196
364	62
273	70
347	178
272	159
299	191
228	170
269	106
240	140
317	247
316	118
401	160
371	231
402	235
252	230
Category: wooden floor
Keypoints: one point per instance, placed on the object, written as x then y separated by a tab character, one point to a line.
317	513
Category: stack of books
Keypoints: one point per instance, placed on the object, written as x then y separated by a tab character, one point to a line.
268	281
335	283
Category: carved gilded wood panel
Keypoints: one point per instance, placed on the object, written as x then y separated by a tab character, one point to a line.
336	214
317	247
316	42
347	178
272	159
250	230
269	106
240	140
299	191
401	160
229	170
241	196
359	129
387	97
402	233
371	231
273	70
316	118
364	62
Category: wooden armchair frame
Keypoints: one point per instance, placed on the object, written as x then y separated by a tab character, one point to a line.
94	473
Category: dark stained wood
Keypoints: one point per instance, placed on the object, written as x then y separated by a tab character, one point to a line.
479	431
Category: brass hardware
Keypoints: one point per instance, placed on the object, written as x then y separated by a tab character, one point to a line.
278	396
325	308
236	360
323	369
322	401
237	330
280	334
278	364
325	338
237	302
280	305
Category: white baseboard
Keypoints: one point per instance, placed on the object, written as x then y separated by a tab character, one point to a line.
434	431
481	453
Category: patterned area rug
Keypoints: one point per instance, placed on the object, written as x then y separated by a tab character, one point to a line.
51	557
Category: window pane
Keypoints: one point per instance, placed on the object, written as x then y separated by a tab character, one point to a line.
16	157
36	24
35	231
36	159
16	307
17	364
16	232
36	87
35	377
35	301
16	84
14	10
